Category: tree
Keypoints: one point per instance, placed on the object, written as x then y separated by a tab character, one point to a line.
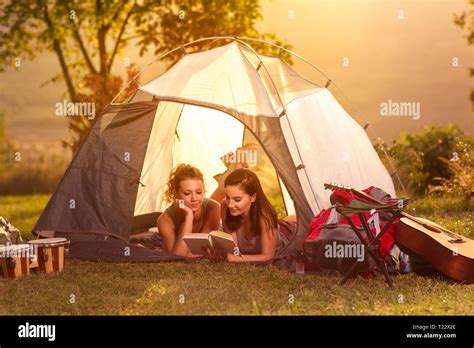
3	137
465	21
88	36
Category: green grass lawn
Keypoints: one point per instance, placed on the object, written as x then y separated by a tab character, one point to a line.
88	288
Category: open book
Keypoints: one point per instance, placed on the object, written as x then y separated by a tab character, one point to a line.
214	240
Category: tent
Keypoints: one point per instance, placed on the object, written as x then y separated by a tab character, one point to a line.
205	105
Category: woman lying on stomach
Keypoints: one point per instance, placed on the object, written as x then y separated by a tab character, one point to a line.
252	220
190	211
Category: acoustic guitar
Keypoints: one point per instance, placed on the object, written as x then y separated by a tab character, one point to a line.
448	252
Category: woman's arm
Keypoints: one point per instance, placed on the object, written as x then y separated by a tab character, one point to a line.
174	243
180	247
213	217
166	229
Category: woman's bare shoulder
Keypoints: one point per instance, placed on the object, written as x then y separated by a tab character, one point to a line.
165	218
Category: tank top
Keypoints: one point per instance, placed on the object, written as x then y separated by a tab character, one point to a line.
177	224
254	246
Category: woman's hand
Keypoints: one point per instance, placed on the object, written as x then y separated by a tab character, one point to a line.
206	252
234	258
214	255
180	204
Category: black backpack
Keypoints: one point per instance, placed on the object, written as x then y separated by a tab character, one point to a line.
337	249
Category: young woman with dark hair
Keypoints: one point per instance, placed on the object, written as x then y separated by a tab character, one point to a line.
190	211
249	216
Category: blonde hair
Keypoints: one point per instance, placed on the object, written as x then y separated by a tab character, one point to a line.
178	174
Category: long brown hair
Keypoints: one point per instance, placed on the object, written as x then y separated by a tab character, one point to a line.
248	182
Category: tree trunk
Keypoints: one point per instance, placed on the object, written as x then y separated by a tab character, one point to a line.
62	61
101	35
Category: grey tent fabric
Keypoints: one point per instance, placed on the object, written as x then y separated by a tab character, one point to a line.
98	191
268	132
96	248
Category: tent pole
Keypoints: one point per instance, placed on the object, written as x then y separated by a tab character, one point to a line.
216	38
392	166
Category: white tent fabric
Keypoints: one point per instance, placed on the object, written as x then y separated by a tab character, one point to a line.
158	160
333	148
219	78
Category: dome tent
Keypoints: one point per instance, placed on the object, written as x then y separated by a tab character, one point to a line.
196	111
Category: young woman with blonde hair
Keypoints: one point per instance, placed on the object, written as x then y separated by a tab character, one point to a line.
190	211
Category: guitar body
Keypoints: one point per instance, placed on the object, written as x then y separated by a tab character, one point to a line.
449	253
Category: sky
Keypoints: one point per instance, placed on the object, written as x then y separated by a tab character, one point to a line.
377	52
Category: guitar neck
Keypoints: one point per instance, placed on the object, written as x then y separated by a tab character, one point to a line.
334	187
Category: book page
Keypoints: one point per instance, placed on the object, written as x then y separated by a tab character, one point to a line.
223	240
197	241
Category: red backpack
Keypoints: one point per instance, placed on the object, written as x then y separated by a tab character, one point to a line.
331	233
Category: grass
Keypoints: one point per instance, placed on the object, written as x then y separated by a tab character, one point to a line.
23	211
451	212
88	288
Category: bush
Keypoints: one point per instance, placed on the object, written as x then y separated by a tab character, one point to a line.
420	158
462	180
